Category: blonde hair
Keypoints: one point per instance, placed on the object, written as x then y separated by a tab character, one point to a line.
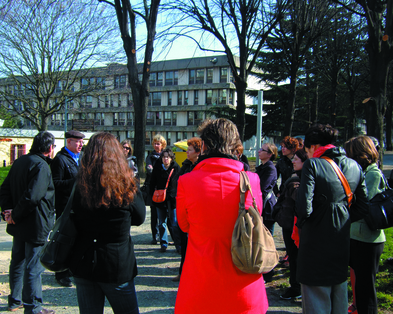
161	139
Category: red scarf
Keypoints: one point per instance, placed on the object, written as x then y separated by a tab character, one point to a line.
319	152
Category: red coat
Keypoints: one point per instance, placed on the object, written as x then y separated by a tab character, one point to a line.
207	208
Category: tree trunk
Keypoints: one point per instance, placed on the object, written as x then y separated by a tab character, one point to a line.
352	114
388	119
241	108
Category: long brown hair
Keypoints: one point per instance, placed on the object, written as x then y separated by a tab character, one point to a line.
104	177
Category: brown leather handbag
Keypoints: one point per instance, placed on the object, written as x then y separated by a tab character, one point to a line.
253	249
159	196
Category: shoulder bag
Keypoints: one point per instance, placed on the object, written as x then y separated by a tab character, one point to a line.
253	249
380	214
57	252
159	196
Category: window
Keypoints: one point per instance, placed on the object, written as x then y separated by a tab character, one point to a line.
159	78
131	135
196	97
130	103
171	78
99	119
130	118
122	118
222	97
168	139
58	87
89	101
106	101
167	118
169	98
186	97
119	100
111	101
174	118
190	118
158	118
179	98
200	76
115	118
209	78
209	96
179	136
198	118
147	138
150	118
120	81
85	83
223	75
17	150
191	77
156	99
152	79
100	83
230	101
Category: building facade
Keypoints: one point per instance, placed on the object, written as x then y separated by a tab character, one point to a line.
180	93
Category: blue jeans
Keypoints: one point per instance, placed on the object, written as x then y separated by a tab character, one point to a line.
25	276
91	296
164	214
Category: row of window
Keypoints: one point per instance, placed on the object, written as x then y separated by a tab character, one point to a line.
128	118
169	136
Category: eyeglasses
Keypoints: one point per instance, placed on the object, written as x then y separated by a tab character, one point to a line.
264	150
127	148
54	146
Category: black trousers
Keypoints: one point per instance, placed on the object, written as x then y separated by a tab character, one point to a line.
364	260
292	251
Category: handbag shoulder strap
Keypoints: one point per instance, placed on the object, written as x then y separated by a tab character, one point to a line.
167	182
244	186
67	209
342	178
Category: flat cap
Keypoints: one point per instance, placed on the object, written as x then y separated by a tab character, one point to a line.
74	134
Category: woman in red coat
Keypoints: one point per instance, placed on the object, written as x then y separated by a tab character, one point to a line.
207	208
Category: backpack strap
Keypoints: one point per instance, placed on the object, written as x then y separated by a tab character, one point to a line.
342	178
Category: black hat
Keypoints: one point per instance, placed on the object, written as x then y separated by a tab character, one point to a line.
74	134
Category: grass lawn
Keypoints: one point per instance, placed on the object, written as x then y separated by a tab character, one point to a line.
3	173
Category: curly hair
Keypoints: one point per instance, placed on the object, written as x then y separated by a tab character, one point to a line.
159	138
219	136
104	178
195	142
362	150
320	134
291	143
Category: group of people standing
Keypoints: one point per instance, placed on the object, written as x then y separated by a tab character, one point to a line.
324	235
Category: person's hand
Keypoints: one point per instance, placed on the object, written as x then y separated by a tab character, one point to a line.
8	217
149	167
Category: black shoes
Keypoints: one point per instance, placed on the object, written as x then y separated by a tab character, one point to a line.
163	249
65	282
291	294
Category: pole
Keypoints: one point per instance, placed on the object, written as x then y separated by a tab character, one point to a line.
259	125
65	120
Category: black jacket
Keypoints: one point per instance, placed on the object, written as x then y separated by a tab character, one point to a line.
64	171
325	219
28	190
284	168
268	178
104	251
159	179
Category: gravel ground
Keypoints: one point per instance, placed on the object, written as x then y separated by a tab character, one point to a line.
155	290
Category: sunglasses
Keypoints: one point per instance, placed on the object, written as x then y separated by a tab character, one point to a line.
127	148
264	150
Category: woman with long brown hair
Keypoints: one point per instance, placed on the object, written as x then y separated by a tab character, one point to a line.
105	205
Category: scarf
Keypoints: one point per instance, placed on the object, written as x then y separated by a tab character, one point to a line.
321	150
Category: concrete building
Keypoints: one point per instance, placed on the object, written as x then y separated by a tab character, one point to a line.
180	93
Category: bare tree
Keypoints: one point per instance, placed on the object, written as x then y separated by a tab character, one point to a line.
379	46
240	27
127	15
48	46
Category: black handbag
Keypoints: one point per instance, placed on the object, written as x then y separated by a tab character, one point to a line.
57	252
380	214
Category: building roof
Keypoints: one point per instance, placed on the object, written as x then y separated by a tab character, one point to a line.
6	132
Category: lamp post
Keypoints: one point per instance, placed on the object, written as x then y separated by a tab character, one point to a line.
259	125
65	117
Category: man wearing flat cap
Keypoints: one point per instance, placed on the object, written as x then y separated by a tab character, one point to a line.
64	170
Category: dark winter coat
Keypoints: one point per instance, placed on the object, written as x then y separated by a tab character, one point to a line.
104	251
64	171
268	178
150	161
325	219
159	179
284	168
28	190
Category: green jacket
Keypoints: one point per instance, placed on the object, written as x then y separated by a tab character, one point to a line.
359	229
